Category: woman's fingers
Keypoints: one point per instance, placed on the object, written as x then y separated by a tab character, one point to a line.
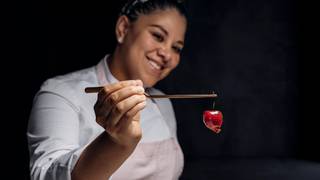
136	109
104	106
118	91
123	107
129	115
110	88
125	98
124	93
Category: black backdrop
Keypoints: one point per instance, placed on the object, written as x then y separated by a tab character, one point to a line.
249	52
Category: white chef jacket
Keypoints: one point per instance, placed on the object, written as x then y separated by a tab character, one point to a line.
62	123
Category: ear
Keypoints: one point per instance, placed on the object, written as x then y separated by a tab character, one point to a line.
122	28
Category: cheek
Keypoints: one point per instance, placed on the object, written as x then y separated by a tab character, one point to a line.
146	42
174	62
139	42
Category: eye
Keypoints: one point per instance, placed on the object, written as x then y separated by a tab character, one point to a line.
177	49
158	37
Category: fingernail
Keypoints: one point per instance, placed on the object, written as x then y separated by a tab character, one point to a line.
141	89
139	82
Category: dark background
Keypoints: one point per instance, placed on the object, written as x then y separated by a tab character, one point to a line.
252	53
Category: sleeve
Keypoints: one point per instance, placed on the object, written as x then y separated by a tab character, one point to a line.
53	137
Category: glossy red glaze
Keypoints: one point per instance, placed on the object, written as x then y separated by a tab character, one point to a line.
213	120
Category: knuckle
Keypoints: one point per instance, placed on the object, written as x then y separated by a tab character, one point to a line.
106	89
119	108
140	97
107	126
100	121
137	136
128	115
113	98
109	129
141	105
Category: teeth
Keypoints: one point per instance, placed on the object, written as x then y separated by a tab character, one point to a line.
155	65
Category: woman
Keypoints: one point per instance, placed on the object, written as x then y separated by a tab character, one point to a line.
119	133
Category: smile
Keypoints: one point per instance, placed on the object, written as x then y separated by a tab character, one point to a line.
155	65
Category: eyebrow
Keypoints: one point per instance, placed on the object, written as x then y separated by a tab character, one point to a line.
165	31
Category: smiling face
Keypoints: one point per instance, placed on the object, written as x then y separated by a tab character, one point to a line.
149	48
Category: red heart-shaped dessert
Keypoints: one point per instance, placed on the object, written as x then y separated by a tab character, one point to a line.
213	120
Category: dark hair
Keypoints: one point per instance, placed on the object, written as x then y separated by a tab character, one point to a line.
134	8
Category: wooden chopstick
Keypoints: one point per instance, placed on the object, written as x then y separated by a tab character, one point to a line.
172	96
182	96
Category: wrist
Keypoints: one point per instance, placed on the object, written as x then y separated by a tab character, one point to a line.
127	145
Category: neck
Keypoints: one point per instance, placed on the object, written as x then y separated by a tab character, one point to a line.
115	63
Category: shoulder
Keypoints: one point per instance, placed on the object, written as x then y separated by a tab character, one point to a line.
72	80
70	86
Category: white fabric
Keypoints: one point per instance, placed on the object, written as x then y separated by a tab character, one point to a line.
62	122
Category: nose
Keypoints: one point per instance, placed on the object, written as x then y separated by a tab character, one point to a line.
164	53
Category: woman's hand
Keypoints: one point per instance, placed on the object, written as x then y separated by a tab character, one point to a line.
118	111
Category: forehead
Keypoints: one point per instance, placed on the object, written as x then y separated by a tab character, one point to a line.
170	19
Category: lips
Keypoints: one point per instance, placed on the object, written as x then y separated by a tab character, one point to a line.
156	67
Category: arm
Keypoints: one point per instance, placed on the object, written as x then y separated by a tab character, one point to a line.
117	110
52	137
53	134
101	158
